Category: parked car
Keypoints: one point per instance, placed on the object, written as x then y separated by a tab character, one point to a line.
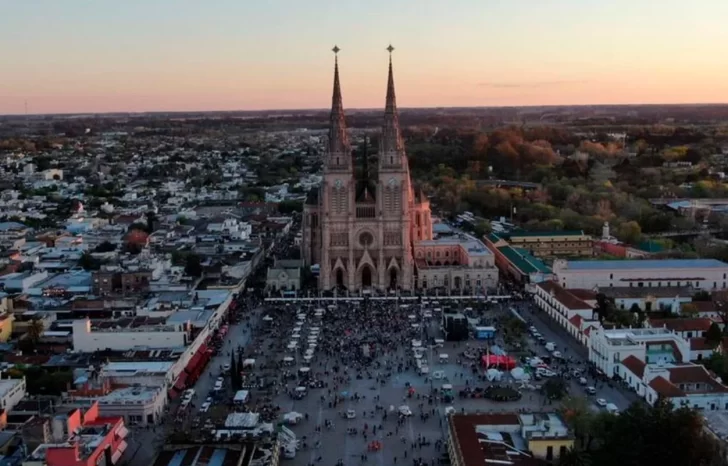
601	402
205	407
591	391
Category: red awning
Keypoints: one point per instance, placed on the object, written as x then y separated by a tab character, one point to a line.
181	382
172	393
192	366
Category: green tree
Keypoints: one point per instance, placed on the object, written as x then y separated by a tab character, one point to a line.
35	330
88	262
193	265
554	388
714	335
574	457
482	228
234	372
630	232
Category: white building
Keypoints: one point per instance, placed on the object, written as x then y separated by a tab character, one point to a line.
12	391
137	405
573	312
705	274
156	374
89	337
608	348
688	385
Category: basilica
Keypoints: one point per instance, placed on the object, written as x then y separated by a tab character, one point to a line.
367	227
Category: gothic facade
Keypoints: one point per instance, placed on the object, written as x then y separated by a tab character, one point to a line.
362	225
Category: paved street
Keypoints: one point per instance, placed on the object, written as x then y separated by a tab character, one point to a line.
357	388
570	347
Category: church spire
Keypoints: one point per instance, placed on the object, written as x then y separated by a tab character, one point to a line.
392	148
338	140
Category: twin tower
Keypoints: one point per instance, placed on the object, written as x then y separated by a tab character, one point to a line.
361	226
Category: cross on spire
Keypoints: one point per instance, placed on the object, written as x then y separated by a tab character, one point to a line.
390	49
336	49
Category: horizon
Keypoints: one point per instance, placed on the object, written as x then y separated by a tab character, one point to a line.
182	57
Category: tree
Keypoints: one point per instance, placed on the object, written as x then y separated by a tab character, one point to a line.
234	372
630	232
289	207
193	265
35	330
574	457
88	262
656	435
482	228
579	416
105	247
554	388
714	335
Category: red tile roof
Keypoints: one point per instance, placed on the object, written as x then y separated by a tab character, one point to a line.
664	388
700	344
704	306
470	448
565	297
634	365
696	324
576	321
695	378
584	295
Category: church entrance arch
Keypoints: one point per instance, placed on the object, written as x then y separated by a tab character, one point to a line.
366	277
393	278
339	278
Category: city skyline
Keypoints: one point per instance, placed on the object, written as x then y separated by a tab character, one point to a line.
226	56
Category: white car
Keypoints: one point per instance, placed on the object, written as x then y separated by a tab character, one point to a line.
205	407
601	402
189	393
556	354
405	410
226	368
350	414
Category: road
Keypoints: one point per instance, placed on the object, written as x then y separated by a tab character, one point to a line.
570	347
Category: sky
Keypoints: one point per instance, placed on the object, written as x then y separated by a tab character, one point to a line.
74	56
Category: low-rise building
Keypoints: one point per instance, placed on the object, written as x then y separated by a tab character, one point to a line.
127	333
507	439
82	439
517	263
456	262
609	347
701	274
12	391
688	385
649	299
572	309
553	243
138	405
285	275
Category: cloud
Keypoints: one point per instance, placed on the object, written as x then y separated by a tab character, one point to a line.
530	85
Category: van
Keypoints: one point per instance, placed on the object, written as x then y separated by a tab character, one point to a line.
612	408
550	346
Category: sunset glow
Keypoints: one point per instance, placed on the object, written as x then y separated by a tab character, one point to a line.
75	56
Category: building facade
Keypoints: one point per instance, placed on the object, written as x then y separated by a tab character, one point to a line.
362	225
701	274
553	243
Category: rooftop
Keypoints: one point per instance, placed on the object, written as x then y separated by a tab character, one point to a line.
523	260
637	264
6	385
122	369
534	234
130	395
565	297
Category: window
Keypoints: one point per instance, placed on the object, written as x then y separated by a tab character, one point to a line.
549	453
611	276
